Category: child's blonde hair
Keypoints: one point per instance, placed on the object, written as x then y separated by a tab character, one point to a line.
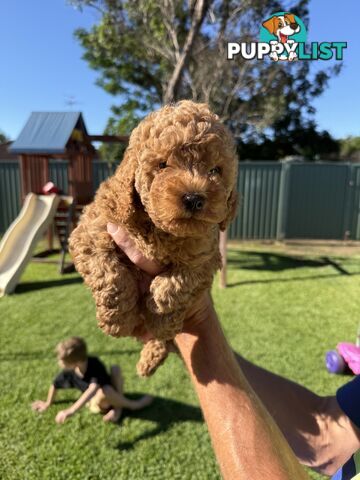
72	350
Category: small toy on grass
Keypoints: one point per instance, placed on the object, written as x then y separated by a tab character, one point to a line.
345	359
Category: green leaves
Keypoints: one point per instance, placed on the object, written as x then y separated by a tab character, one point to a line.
140	50
350	148
3	138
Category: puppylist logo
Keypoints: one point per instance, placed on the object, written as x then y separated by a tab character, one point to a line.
283	38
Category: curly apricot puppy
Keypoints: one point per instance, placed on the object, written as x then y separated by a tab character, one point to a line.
173	191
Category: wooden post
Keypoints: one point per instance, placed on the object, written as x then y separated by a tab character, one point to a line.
222	247
50	237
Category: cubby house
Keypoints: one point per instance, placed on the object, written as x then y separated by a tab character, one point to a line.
61	136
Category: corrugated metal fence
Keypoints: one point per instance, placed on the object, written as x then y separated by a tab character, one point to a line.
298	200
290	200
260	188
9	193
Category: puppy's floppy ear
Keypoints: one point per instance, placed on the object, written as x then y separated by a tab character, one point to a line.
271	25
290	17
117	194
231	210
127	197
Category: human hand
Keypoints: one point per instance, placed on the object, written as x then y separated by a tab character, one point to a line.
39	406
196	314
63	415
127	245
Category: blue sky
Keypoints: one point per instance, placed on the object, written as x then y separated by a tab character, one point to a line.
41	64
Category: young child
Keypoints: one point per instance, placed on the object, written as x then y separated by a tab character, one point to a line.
100	391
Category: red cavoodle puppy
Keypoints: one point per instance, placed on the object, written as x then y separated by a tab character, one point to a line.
173	191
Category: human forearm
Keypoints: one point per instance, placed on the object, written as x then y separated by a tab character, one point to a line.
41	405
51	395
246	440
296	410
320	434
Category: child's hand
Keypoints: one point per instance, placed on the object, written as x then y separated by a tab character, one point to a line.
40	406
63	415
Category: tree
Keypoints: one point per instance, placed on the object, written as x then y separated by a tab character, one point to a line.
149	52
350	148
305	142
3	138
126	121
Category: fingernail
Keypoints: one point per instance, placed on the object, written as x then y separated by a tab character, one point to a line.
112	228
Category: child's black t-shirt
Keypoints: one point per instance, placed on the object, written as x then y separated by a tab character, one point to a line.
95	373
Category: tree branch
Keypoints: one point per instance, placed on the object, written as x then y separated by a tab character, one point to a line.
200	10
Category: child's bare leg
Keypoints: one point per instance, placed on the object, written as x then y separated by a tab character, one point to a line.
117	380
114	396
118	400
98	403
113	415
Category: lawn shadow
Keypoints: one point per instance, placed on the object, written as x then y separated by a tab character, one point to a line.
26	356
46	355
263	261
65	401
285	280
272	261
31	286
128	351
165	412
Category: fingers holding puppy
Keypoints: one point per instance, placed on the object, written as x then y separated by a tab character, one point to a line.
127	245
150	269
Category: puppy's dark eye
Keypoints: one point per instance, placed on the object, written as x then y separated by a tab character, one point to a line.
162	165
215	171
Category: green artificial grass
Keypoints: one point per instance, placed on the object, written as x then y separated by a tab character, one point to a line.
279	311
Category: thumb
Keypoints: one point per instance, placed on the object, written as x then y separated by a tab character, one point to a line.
128	246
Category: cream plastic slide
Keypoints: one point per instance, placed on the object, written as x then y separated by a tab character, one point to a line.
22	236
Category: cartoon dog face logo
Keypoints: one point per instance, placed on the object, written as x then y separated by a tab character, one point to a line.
282	27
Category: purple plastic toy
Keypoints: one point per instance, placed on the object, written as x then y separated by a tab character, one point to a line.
345	357
334	362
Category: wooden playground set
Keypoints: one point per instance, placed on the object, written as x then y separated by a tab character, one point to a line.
45	136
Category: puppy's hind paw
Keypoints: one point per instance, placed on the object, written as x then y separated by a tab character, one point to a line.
152	356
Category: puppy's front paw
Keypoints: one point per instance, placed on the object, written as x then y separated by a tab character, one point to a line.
117	323
165	326
166	294
159	304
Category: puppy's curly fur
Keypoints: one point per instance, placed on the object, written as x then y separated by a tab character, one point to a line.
173	191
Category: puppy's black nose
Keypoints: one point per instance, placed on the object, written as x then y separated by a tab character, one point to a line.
294	26
193	201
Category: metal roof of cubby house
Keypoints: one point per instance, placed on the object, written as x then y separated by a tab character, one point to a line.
48	132
60	136
55	135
